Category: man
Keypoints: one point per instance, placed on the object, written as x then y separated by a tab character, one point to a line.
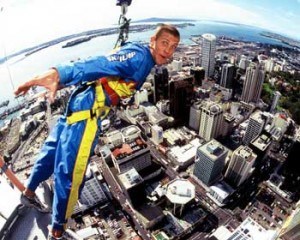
102	81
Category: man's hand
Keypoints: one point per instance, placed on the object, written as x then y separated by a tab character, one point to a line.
48	80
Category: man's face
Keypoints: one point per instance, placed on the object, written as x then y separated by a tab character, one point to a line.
163	47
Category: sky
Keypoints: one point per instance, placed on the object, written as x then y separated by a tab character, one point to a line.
24	22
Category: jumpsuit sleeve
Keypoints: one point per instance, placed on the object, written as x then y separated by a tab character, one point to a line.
126	64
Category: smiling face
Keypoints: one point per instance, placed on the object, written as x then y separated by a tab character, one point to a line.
163	46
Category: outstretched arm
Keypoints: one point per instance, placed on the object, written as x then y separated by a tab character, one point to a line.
48	80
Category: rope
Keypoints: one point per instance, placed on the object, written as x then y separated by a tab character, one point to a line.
123	27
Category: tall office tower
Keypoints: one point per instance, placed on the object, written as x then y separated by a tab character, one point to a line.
269	65
227	75
254	128
276	97
92	193
195	114
227	125
244	62
133	186
211	120
210	161
198	73
253	83
181	93
161	81
240	165
208	54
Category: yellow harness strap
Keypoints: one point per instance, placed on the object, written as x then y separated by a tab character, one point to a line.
98	110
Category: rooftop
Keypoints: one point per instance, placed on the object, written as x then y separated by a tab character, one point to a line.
180	191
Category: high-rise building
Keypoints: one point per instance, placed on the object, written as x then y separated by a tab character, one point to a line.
211	120
253	83
276	97
133	186
161	81
210	161
195	114
92	192
199	74
244	62
227	126
279	126
181	93
240	165
227	75
269	65
254	128
208	53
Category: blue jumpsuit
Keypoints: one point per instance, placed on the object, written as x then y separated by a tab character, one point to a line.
68	147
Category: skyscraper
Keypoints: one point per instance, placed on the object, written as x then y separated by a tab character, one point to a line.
211	120
208	53
161	81
253	83
276	97
181	93
210	161
240	164
195	115
227	75
92	192
254	128
198	73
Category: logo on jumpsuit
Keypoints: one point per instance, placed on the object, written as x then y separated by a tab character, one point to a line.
121	58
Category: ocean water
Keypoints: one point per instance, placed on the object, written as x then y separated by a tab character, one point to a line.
21	68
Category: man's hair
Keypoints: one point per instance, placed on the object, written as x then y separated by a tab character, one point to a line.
166	28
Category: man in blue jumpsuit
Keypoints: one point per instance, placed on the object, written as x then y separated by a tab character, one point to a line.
101	82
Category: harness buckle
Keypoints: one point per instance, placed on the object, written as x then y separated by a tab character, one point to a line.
93	113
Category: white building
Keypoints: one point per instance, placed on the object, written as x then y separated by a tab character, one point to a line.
250	230
254	128
195	114
211	120
185	155
157	134
177	65
276	97
208	53
219	193
180	192
130	133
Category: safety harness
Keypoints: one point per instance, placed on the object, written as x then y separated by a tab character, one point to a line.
113	88
99	110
